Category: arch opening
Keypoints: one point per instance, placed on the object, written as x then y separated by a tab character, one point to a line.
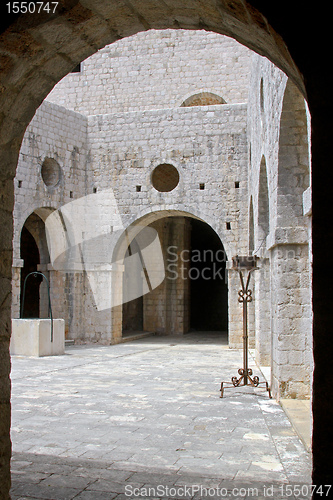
193	296
203	99
31	259
294	158
35	255
263	205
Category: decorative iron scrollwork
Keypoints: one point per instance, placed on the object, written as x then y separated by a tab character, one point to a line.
245	296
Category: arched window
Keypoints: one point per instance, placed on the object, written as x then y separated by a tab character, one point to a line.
203	99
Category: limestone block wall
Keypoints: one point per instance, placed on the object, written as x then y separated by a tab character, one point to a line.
56	133
156	70
207	145
278	124
264	110
61	135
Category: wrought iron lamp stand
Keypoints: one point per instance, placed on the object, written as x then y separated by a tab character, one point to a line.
243	264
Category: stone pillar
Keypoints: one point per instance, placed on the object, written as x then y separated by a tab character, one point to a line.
6	231
291	321
178	287
263	342
117	299
235	309
167	307
16	287
62	292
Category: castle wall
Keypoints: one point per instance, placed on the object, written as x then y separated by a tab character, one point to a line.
60	135
278	124
156	70
208	147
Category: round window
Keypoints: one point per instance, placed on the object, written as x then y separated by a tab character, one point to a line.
51	172
165	177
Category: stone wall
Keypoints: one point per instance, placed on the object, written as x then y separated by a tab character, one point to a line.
59	135
208	147
156	70
278	125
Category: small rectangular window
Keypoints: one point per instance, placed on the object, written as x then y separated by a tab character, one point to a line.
19	184
202	186
237	184
71	194
138	189
94	190
228	226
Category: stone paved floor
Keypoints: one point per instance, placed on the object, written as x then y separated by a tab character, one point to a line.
104	422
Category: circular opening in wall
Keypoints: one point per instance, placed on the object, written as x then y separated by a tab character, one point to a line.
50	172
165	177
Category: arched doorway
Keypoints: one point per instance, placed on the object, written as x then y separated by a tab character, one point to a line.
35	256
31	260
193	295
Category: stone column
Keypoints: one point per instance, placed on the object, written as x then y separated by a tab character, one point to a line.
291	321
263	342
117	299
178	290
167	307
16	287
235	309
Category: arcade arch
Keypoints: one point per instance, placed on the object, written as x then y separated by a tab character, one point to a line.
194	268
34	256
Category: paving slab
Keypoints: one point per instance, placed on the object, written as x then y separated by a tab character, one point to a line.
105	422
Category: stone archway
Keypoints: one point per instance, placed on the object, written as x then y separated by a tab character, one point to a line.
32	255
31	260
262	282
194	263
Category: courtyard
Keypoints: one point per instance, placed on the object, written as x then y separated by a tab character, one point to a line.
143	419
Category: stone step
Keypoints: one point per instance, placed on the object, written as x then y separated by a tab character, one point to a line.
129	336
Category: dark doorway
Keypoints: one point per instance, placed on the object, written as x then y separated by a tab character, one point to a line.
31	258
208	285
